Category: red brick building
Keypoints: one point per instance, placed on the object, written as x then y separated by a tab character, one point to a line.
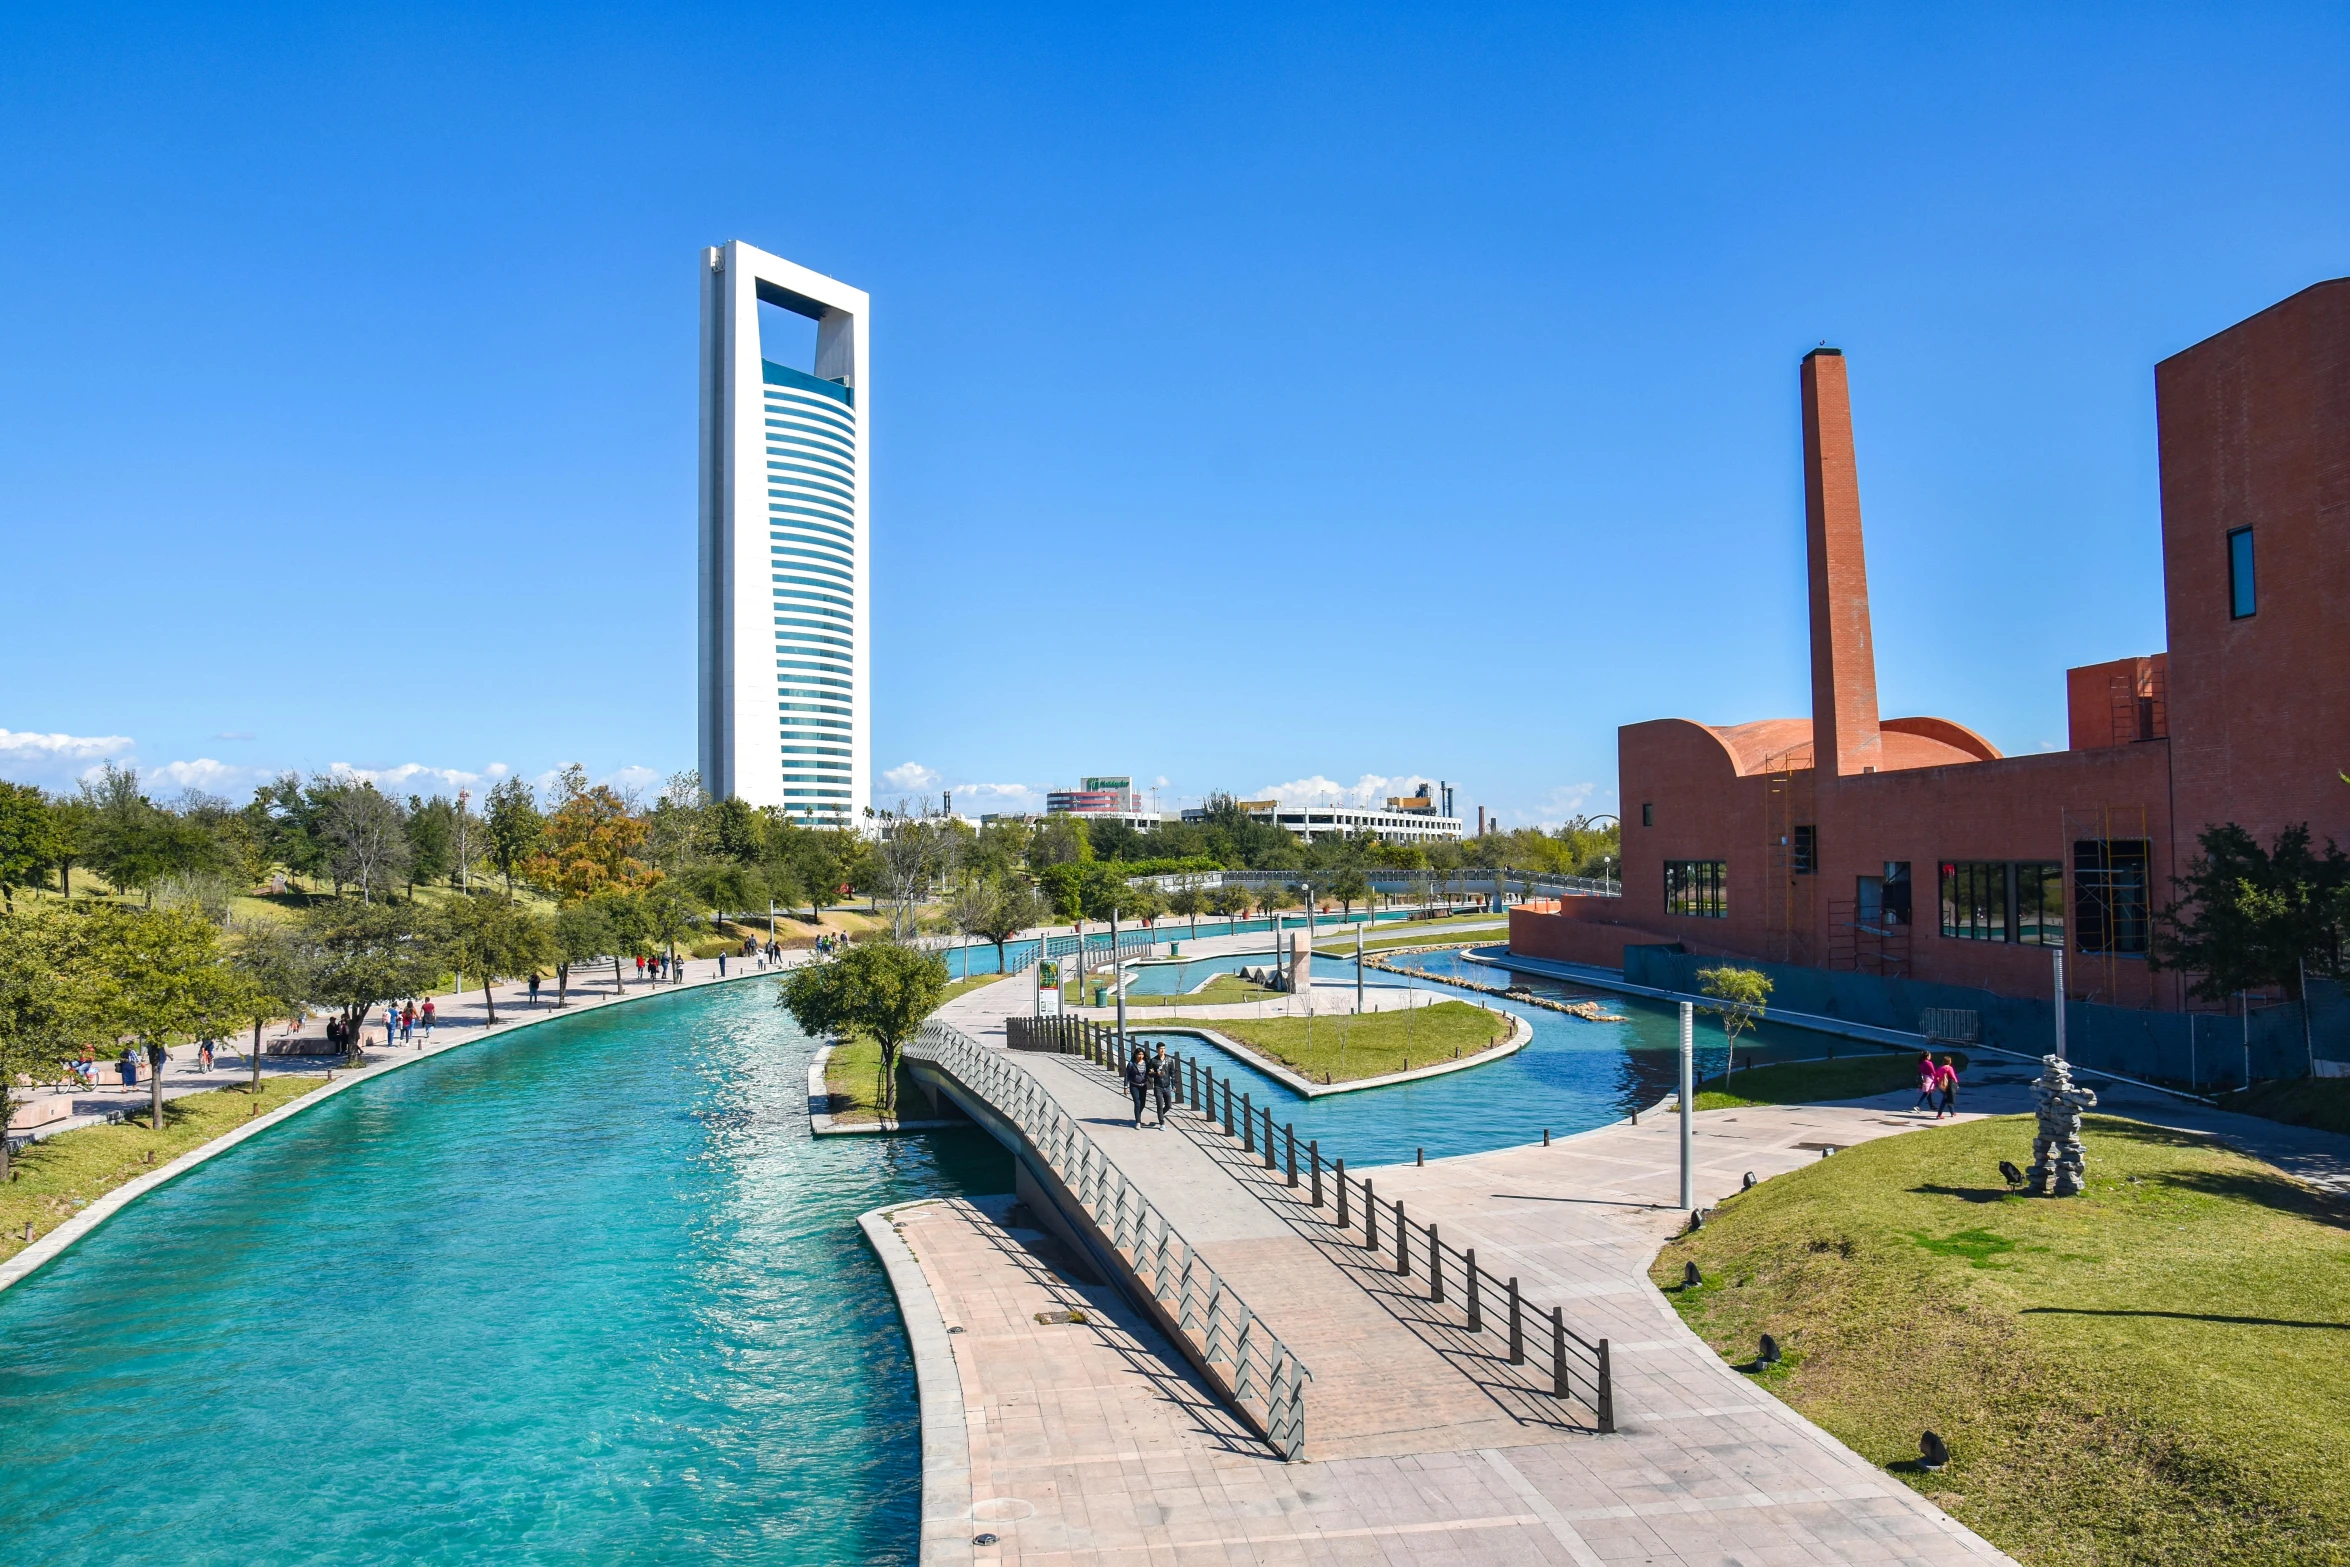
1909	847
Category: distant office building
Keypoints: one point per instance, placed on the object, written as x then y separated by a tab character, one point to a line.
1310	822
1105	798
785	653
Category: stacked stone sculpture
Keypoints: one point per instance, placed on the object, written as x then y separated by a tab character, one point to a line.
2057	1155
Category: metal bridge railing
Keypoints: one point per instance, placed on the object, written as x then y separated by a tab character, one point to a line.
1580	1369
1260	1373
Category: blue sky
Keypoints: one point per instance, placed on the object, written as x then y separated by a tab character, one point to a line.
1261	394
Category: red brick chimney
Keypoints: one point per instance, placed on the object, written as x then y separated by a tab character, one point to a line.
1844	732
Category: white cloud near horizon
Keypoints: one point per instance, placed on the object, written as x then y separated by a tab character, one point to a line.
1371	789
915	779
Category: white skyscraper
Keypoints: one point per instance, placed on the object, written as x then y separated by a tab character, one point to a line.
784	650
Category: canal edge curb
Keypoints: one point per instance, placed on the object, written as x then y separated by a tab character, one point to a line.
1521	1035
820	1119
938	1381
62	1239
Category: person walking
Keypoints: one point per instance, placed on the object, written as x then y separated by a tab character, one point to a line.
426	1017
1162	1081
1929	1079
407	1022
1138	1083
204	1056
534	987
1947	1080
640	968
128	1068
391	1025
721	965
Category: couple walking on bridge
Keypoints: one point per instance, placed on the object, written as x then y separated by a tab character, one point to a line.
1149	1077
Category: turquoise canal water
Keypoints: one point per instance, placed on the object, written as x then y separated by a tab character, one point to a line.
585	1293
1575	1075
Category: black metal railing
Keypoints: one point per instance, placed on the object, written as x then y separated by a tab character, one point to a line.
1579	1367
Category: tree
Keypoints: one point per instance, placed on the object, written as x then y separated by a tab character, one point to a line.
734	831
881	989
275	971
997	908
1189	900
366	953
1741	995
515	826
69	821
670	909
28	839
166	979
129	838
580	933
590	843
1350	887
46	980
1058	840
432	839
911	859
367	838
496	938
2251	917
625	926
725	885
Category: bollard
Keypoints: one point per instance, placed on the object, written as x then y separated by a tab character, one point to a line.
1420	1157
1314	1160
1289	1144
1340	1168
1194	1099
1517	1329
1370	1217
1546	1137
1248	1126
1435	1266
1476	1295
1403	1249
1269	1139
1558	1351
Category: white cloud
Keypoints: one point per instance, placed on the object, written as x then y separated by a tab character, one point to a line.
407	778
58	759
633	779
1371	790
208	775
913	778
236	734
496	770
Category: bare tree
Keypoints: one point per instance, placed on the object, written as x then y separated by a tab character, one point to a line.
368	835
914	852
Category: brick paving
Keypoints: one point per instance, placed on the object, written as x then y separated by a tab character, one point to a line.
1424	1446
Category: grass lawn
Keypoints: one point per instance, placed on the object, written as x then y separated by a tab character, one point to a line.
1420	936
958	987
852	1075
1342	1049
1821	1082
54	1178
1223	990
2157	1371
2322	1102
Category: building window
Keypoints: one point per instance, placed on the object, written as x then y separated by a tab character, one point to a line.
2110	885
2243	594
1698	888
1647	815
2018	901
1803	854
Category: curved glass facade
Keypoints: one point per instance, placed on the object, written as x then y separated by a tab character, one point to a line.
811	454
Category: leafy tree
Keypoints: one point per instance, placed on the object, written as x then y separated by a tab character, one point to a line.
46	1000
580	933
275	971
590	843
1231	901
911	859
1350	887
496	938
670	909
432	839
282	818
881	989
367	838
626	926
734	831
28	839
72	828
727	885
676	827
1741	995
1058	840
516	829
1189	900
363	954
165	978
997	908
128	836
2250	917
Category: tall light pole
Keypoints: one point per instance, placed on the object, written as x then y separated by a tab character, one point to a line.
1688	1109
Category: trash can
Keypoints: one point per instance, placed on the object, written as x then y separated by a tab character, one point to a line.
1101	995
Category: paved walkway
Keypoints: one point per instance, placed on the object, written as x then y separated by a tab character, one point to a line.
1426	1445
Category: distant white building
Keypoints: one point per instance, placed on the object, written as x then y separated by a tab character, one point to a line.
785	655
1404	821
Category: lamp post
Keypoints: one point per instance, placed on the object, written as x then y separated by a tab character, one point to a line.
1688	1093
